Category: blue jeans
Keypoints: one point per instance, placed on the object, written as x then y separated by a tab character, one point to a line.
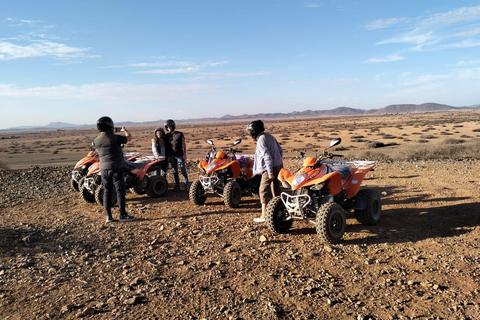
175	161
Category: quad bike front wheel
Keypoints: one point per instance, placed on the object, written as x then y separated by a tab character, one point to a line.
86	195
197	193
277	217
157	186
74	184
371	215
331	222
232	194
99	196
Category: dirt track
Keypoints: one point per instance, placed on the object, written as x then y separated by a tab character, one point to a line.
58	259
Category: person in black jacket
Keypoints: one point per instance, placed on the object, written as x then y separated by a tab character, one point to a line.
109	149
177	152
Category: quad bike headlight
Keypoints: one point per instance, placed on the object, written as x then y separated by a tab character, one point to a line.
211	166
298	179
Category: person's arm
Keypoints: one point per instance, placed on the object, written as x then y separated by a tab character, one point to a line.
184	145
155	148
265	154
127	134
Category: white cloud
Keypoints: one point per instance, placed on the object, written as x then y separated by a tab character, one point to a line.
464	14
390	58
171	71
435	31
385	23
313	5
469	43
109	91
187	67
10	51
464	63
412	38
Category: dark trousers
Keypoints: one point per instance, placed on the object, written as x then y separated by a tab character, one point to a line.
110	179
163	168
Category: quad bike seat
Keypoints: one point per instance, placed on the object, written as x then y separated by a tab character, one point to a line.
129	165
242	160
343	169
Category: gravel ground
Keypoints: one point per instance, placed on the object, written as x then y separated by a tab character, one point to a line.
58	259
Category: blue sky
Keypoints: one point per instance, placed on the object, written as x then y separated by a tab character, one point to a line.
74	61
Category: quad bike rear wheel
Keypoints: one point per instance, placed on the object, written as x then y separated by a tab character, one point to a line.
371	215
277	217
157	186
232	194
331	222
99	196
86	195
196	193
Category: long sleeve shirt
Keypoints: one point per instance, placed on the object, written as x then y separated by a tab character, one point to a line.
268	154
158	149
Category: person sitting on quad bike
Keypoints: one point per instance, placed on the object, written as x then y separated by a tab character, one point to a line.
109	149
268	161
159	150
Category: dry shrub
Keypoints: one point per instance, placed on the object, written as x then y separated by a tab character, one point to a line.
453	141
3	166
372	156
445	151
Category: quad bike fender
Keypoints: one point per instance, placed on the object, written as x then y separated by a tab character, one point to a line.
94	168
86	160
334	182
203	165
234	166
355	180
285	176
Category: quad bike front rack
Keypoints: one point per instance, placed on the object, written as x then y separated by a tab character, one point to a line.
293	204
208	182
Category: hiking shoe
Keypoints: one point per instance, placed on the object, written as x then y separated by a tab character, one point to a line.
126	218
109	219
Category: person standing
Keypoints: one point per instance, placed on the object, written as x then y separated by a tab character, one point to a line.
159	151
268	161
109	149
177	152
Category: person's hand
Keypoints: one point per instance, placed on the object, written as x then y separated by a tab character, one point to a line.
271	176
123	129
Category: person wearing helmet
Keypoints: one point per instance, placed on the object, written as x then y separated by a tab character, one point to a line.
267	162
109	149
177	152
159	151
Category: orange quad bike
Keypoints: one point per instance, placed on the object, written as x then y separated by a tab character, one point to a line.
227	175
136	179
139	178
321	192
81	168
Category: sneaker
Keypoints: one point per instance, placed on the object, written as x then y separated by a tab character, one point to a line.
126	218
109	219
258	220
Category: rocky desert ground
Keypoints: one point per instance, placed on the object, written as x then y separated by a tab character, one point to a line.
59	260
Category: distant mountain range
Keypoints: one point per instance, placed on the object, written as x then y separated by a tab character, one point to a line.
340	111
